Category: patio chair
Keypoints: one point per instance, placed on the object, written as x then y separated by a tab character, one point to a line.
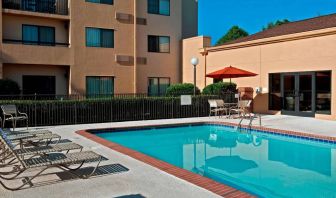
222	106
217	107
11	113
242	108
45	162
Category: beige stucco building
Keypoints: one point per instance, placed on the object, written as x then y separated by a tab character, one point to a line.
295	63
94	46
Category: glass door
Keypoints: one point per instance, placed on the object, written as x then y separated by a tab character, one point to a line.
306	93
298	94
289	92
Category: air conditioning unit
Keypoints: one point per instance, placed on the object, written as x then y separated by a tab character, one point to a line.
123	16
142	60
123	59
141	21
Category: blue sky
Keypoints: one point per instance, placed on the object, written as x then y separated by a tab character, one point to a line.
217	16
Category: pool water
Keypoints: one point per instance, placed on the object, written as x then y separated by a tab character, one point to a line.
263	164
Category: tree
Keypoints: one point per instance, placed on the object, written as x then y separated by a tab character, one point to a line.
219	88
181	89
275	24
233	34
9	87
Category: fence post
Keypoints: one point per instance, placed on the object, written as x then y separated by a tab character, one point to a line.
143	108
172	107
35	112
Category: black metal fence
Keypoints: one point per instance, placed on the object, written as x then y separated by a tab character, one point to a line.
45	6
44	110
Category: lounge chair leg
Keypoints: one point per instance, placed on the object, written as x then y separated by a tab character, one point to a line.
12	177
74	169
94	170
25	181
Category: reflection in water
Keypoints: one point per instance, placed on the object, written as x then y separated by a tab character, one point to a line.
231	164
301	156
264	164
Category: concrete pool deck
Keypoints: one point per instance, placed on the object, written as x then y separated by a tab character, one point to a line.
140	179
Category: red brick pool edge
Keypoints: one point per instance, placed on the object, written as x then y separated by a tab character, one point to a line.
198	180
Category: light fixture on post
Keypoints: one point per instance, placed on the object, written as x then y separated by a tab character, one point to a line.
194	61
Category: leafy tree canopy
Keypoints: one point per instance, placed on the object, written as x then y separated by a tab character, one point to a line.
275	24
9	87
219	88
181	89
233	34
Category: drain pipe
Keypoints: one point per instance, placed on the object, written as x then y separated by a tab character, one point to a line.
135	47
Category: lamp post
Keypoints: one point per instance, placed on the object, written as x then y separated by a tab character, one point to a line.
194	61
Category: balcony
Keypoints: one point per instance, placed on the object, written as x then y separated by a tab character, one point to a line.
14	41
43	54
59	7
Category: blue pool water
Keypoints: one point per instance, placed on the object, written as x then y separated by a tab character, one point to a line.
266	165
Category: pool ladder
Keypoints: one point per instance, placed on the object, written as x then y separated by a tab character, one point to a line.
250	121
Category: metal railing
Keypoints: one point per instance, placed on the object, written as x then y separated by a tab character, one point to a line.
44	6
47	110
39	43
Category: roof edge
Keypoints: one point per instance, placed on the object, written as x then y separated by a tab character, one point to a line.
275	39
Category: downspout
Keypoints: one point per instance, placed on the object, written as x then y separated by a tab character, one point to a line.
135	47
204	53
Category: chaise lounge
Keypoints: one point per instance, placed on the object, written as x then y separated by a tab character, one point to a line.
43	160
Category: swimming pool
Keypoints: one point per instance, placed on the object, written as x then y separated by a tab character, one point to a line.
265	165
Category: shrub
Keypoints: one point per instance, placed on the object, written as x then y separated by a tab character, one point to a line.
9	87
181	89
219	88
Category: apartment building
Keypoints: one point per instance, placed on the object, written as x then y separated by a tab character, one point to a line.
94	46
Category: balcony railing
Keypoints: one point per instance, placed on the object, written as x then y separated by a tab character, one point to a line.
13	41
44	6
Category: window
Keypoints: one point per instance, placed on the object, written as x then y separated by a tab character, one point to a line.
323	92
99	85
159	44
46	6
109	2
161	7
275	92
97	37
158	86
38	35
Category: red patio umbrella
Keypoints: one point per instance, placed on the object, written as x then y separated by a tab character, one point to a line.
230	72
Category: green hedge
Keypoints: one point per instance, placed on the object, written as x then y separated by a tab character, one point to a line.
219	88
9	87
181	89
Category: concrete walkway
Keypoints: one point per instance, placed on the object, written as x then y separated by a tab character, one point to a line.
138	179
293	123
